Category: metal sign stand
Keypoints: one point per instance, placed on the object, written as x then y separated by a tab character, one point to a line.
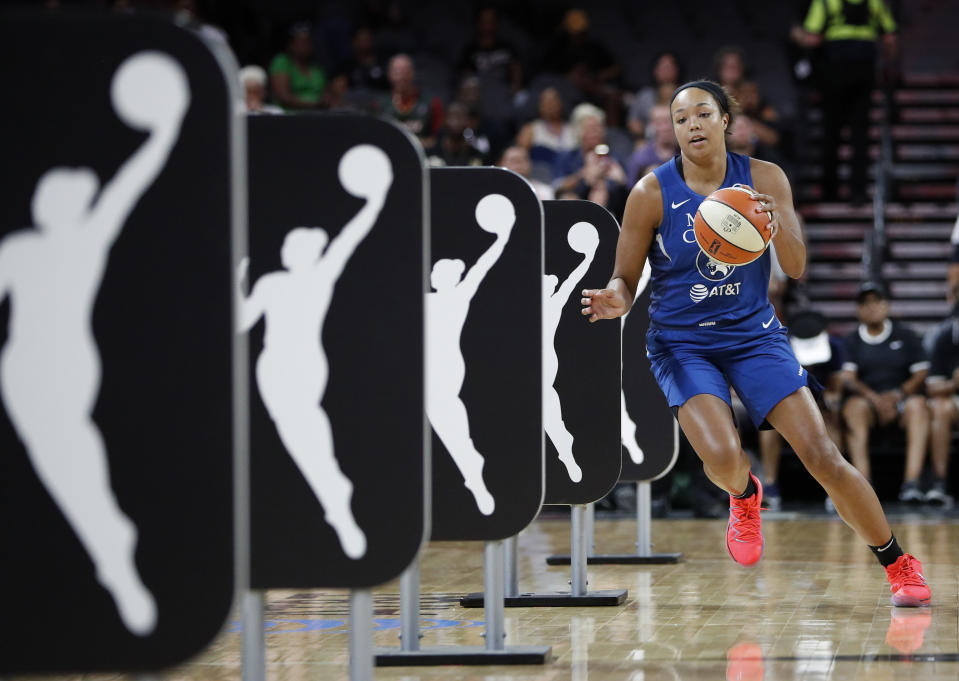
253	637
495	650
361	635
643	555
579	594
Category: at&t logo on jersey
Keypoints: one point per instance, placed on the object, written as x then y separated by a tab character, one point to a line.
698	292
716	272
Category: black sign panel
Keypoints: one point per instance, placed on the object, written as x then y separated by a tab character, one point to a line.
333	302
650	433
484	347
581	360
116	444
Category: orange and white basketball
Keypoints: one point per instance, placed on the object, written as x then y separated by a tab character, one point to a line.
729	229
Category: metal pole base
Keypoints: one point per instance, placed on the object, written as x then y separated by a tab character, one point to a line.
620	559
554	599
643	556
254	638
472	655
494	652
361	635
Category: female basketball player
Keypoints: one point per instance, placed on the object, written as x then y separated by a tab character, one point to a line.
712	326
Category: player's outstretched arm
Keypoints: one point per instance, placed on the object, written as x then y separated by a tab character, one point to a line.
342	246
364	171
644	212
566	288
150	92
123	191
775	196
476	274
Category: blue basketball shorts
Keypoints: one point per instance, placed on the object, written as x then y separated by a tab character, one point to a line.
752	355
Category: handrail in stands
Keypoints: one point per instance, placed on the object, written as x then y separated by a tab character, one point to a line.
874	252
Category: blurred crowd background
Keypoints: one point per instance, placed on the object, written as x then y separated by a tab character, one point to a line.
857	100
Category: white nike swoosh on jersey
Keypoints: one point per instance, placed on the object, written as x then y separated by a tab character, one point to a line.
677	205
766	324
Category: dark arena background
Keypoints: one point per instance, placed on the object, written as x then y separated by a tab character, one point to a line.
857	101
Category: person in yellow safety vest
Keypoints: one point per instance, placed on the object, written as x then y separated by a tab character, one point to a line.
848	32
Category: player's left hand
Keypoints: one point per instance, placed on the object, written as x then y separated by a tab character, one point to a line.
767	204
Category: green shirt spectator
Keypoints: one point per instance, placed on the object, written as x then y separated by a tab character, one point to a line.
296	82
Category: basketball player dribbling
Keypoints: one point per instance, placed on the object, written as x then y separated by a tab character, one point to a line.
714	327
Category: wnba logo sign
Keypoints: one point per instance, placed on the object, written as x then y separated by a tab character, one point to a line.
714	246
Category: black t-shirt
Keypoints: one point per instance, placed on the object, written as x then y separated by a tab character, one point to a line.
886	361
489	62
945	351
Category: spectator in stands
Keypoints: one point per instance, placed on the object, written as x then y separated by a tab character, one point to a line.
453	147
549	135
742	136
822	354
421	115
253	82
489	136
942	386
489	56
296	82
655	151
848	32
732	70
516	158
586	63
591	171
729	65
885	372
363	68
667	75
763	117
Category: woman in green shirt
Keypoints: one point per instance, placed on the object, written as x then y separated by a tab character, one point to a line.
297	82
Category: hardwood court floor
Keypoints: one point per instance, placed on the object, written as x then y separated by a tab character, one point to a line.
817	607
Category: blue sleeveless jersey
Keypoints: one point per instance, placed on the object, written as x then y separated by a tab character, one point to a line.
688	288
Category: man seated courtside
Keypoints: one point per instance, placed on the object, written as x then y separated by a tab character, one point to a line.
884	376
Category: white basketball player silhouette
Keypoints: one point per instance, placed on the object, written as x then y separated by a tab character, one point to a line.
292	369
582	238
50	368
627	425
446	312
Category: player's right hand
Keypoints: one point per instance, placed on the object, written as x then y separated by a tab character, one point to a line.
602	303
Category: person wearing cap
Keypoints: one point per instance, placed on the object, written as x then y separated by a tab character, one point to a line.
822	354
711	326
885	371
942	387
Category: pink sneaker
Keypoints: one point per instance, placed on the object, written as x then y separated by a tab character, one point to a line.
906	629
908	586
744	662
744	537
